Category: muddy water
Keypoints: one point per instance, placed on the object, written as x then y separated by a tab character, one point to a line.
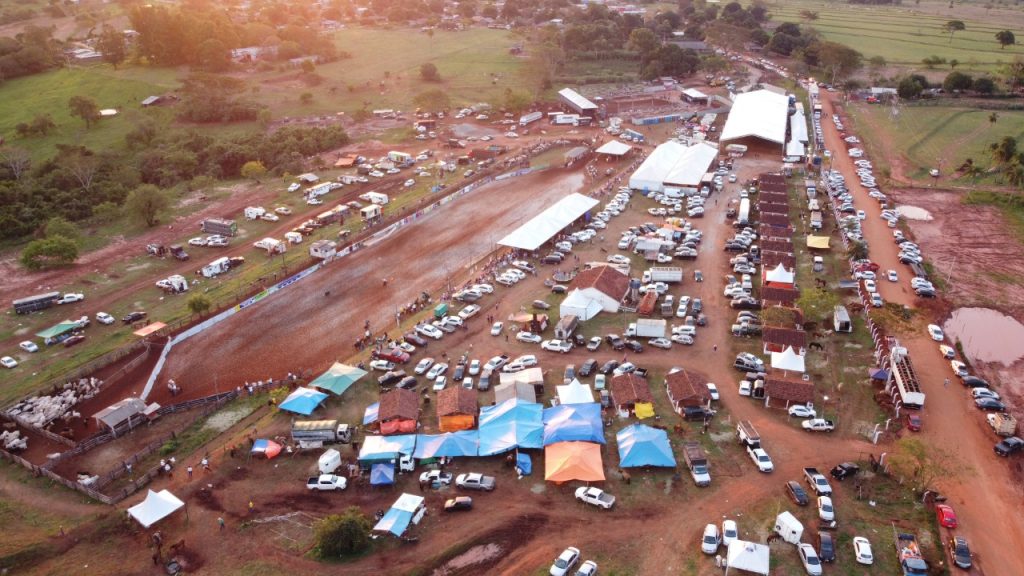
913	213
475	555
987	335
465	130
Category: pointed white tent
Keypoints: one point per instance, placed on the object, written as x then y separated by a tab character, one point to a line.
156	507
748	556
788	360
575	393
579	305
780	275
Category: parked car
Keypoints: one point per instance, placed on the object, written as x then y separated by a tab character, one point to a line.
802	411
133	317
809	558
960	552
565	561
588	568
29	346
73	339
936	333
862	550
946	515
104	318
826	546
475	481
730	532
1009	446
71	297
913	422
825	510
710	539
8	362
796	493
528	337
458	503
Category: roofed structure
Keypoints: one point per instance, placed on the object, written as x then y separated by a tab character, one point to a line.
686	389
788	391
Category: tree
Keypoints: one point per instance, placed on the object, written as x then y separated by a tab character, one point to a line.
808	15
817	303
857	251
59	226
85	108
517	101
199	304
112	45
1004	151
84	166
106	212
985	85
49	252
308	67
342	534
17	160
957	82
429	73
877	62
783	43
953	26
909	88
919	463
642	41
434	100
839	59
147	202
932	61
1005	38
42	124
306	98
253	170
214	55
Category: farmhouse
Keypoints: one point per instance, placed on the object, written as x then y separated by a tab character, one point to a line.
602	284
758	119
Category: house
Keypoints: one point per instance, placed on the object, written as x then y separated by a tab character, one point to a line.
694	96
399	411
629	390
786	392
777	339
686	389
457	408
602	284
323	249
778	277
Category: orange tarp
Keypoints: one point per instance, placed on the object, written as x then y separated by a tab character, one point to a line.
457	422
398	427
149	329
567	461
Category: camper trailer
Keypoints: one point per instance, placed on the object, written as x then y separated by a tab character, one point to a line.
370	213
215	268
841	320
787	526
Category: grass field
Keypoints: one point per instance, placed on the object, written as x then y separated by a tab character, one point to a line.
906	34
926	137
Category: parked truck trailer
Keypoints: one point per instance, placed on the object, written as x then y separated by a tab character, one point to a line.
903	377
219	226
697	461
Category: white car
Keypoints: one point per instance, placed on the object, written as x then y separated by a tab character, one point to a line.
423	365
825	510
474	367
8	362
382	365
565	561
439	383
869	285
959	368
744	388
556	346
409	183
200	241
710	540
663	343
314	202
947	352
862	550
809	558
452	320
29	346
71	297
528	337
283	210
429	331
892	276
406	347
270	217
484	288
588	568
618	259
713	391
496	328
801	411
729	532
684	339
520	364
936	333
104	318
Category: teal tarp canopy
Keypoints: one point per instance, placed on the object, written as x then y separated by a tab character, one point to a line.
303	401
54	331
641	445
461	443
338	378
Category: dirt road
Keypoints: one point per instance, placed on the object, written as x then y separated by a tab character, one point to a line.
979	485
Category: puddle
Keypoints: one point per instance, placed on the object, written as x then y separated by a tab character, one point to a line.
465	130
475	555
987	335
913	213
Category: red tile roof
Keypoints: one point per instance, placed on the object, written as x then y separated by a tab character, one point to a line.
785	295
795	391
457	400
770	260
629	389
784	245
605	279
777	220
399	404
687	388
778	338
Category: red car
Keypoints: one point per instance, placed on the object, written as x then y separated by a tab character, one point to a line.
913	422
947	518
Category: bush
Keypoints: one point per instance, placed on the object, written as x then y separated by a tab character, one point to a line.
49	253
344	534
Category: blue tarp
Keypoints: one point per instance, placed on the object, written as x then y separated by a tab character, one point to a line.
461	443
370	416
382	474
376	448
394	521
641	445
524	464
878	373
338	378
573	423
511	424
303	401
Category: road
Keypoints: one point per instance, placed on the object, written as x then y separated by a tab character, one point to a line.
980	486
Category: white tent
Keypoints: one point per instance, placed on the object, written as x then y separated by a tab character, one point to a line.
550	222
692	165
531	376
779	274
788	360
614	148
575	393
577	304
762	114
156	507
748	556
672	164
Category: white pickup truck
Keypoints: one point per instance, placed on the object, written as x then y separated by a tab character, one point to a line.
327	482
818	425
817	481
595	497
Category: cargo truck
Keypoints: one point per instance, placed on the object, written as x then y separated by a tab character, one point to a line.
37	302
646	328
216	268
309	432
697	461
662	274
748	434
219	226
526	119
1003	424
903	377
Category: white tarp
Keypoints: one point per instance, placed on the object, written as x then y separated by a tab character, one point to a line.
531	376
748	556
156	507
788	360
614	148
779	274
575	393
548	223
674	164
695	94
579	305
761	113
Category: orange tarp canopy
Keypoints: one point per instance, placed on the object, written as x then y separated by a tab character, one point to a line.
457	422
566	461
398	427
149	329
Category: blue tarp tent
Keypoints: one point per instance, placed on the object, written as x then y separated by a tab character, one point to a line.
338	378
878	373
573	423
382	448
511	424
303	401
524	464
370	415
382	474
406	510
641	445
461	443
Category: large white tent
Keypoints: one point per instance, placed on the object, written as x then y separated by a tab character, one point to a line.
156	507
673	164
614	148
761	114
579	305
788	359
548	223
748	556
779	274
575	393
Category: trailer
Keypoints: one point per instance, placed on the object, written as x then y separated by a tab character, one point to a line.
219	226
633	135
375	198
647	303
748	435
323	249
254	212
530	118
903	376
697	461
663	274
336	214
566	326
271	245
1003	424
175	284
566	119
400	157
215	268
37	302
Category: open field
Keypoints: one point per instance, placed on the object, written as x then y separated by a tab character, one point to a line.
906	34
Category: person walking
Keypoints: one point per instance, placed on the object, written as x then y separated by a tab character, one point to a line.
189	471
220	522
205	463
252	507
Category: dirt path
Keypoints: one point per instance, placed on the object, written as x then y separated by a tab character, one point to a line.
980	485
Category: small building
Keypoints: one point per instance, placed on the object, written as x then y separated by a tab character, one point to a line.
308	178
323	249
785	392
603	284
576	102
694	96
783	296
399	411
371	212
777	339
457	408
119	412
686	389
629	390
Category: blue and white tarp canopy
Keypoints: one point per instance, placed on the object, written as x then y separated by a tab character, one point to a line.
510	424
371	413
641	445
382	474
303	401
338	378
573	423
461	443
378	448
405	510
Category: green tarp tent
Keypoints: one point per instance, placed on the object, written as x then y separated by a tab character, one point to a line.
56	331
338	378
